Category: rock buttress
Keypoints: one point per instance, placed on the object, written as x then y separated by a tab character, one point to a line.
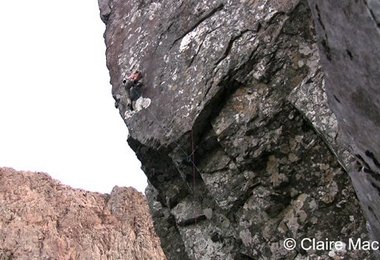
349	41
43	219
236	162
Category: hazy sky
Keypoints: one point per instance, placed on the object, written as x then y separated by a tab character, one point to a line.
56	109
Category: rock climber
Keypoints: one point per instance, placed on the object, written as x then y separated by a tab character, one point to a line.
133	88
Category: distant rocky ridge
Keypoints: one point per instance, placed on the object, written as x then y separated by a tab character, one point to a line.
43	219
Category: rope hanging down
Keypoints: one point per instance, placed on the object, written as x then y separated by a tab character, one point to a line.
192	155
192	158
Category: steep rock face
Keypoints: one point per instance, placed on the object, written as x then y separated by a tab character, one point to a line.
349	41
234	142
43	219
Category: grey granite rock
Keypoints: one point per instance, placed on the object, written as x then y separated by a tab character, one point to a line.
349	41
238	144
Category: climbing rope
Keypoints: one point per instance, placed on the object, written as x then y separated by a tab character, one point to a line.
194	172
192	158
192	155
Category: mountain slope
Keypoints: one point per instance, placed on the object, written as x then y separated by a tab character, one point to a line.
43	219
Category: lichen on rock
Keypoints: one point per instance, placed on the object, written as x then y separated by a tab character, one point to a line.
348	40
236	156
